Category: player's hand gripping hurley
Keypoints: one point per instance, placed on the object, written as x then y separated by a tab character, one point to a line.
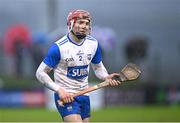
129	72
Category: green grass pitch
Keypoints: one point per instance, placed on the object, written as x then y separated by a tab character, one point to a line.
110	114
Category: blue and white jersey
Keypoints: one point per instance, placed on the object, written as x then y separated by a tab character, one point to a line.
71	61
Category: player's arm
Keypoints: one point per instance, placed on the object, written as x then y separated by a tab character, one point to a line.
50	62
44	78
100	70
97	65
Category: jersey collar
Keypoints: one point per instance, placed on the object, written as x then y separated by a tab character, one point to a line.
73	41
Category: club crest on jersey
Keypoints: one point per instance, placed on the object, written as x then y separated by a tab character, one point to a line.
77	72
89	56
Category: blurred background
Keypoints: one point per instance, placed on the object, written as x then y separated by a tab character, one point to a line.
145	32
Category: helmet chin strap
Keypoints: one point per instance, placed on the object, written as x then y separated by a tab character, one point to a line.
78	35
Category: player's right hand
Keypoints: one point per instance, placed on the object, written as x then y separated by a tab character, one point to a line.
65	96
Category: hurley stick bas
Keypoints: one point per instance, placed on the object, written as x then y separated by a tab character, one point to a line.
128	73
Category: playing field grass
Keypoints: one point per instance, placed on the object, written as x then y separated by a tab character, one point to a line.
111	114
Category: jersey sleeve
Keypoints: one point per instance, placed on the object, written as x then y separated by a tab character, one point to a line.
98	56
53	56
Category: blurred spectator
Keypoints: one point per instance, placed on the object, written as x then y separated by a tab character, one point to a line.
136	49
172	96
16	40
161	95
38	49
151	93
105	36
107	39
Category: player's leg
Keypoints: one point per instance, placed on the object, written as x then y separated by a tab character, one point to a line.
76	111
83	105
85	108
70	112
73	118
86	120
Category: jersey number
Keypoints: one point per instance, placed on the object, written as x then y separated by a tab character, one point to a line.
80	58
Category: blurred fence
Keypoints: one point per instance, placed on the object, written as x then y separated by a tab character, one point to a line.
143	95
19	98
132	95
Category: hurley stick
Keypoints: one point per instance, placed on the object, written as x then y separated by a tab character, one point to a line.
129	72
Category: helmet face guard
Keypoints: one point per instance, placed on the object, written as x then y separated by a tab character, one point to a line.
75	15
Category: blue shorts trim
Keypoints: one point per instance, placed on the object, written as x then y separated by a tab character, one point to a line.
80	105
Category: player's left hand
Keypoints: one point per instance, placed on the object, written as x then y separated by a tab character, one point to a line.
112	81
